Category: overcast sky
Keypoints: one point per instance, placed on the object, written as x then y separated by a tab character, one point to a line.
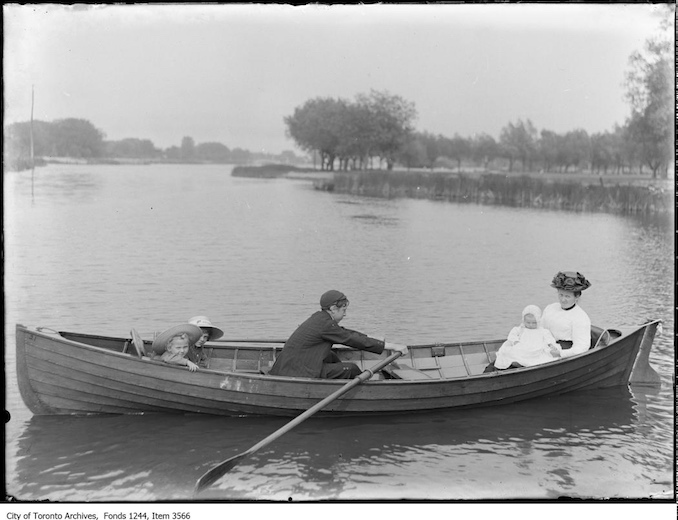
231	73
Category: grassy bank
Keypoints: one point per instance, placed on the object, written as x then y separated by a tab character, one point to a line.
589	193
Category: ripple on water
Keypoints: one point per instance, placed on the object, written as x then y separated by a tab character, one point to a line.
407	276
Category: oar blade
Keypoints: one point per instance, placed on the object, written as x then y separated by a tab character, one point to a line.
217	472
220	470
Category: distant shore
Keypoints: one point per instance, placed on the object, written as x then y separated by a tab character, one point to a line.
45	160
580	191
576	191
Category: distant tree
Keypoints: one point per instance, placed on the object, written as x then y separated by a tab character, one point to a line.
432	146
212	152
413	153
576	148
289	157
484	149
456	148
316	125
519	141
509	146
620	148
131	148
549	148
391	124
77	138
187	149
173	153
241	156
602	152
356	131
650	92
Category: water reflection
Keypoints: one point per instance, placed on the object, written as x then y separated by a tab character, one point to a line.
378	220
547	442
58	186
136	457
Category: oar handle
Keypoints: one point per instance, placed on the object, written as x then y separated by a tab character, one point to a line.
247	341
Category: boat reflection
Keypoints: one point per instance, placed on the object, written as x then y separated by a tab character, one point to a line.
160	457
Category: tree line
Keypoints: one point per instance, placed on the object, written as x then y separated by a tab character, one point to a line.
521	145
379	127
79	138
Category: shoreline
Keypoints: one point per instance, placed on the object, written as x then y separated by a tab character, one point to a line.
590	193
576	191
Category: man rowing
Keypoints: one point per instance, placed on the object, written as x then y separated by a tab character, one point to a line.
308	351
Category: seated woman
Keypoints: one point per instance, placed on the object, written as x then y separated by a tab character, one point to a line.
527	344
565	319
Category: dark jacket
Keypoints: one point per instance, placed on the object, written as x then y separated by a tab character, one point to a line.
308	346
197	355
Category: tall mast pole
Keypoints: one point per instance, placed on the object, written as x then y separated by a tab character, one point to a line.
32	102
32	156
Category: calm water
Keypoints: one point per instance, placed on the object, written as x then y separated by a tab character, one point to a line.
101	249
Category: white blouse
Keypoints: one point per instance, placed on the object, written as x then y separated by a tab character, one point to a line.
572	325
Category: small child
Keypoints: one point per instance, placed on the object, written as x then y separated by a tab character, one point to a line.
176	350
196	353
528	344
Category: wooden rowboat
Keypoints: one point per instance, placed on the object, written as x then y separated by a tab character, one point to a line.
74	373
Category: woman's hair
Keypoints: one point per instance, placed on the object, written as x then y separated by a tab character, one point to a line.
577	294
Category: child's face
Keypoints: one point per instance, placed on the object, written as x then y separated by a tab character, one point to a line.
530	321
178	346
204	338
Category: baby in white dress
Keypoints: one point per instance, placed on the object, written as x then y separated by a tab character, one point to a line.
528	344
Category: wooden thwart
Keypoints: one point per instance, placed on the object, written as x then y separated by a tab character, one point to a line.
407	373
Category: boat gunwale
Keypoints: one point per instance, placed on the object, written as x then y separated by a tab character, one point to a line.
624	333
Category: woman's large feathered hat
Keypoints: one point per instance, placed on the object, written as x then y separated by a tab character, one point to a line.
570	281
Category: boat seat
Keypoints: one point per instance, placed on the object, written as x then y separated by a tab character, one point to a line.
138	343
405	372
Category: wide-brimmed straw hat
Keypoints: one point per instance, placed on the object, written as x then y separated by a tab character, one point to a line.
192	331
570	281
204	323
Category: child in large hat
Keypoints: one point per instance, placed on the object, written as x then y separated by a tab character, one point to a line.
196	352
172	345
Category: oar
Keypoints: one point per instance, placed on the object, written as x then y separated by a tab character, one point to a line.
247	341
224	467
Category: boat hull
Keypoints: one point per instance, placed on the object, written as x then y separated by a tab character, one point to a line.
92	375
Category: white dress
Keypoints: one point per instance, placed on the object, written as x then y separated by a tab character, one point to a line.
528	347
